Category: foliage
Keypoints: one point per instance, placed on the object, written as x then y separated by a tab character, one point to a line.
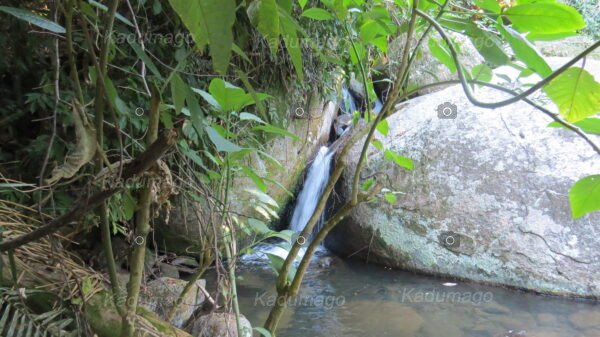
18	319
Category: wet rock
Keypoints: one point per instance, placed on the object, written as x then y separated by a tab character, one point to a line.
159	296
341	124
220	325
496	181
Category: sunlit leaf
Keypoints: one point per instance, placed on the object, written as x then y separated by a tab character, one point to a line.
390	197
525	51
545	17
401	161
584	196
34	19
317	14
576	94
441	52
383	127
587	125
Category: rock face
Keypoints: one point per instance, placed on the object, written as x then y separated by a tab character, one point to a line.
487	199
312	124
160	295
220	325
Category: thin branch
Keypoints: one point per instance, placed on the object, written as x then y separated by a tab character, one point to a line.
513	99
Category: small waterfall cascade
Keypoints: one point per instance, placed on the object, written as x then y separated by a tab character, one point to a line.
316	180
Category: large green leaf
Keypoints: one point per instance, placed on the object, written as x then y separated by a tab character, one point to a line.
210	22
585	196
489	46
220	142
545	17
317	14
587	125
525	51
489	5
178	92
268	22
292	43
441	52
34	19
229	97
576	94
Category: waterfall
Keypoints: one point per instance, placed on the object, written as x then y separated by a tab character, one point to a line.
316	179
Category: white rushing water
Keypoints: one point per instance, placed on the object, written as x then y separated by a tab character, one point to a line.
316	179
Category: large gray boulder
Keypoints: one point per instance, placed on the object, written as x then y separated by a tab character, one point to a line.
487	199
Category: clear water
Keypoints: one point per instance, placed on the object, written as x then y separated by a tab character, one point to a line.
352	299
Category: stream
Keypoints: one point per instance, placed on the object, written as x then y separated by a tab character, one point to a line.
351	298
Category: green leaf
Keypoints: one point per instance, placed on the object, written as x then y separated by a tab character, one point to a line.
545	17
129	205
258	181
258	226
525	51
401	161
260	330
587	125
33	19
383	127
390	197
370	29
549	37
440	51
208	98
576	94
142	55
292	43
367	184
113	96
246	116
276	262
178	92
317	14
275	130
489	46
104	8
584	196
482	72
268	22
489	5
221	143
302	3
377	144
209	22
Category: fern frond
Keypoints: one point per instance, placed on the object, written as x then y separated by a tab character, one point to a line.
19	320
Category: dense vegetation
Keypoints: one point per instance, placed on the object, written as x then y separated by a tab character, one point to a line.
109	109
